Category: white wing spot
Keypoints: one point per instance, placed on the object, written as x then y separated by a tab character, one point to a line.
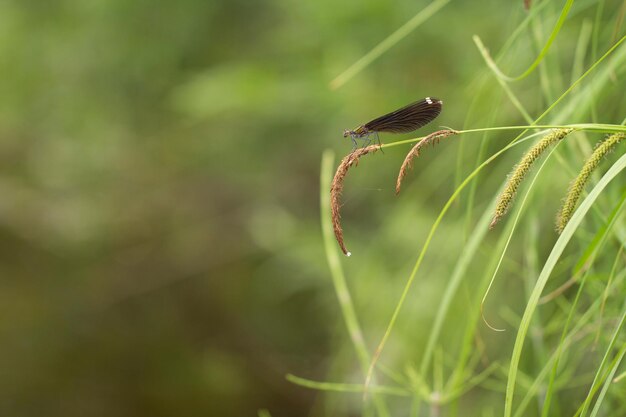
428	100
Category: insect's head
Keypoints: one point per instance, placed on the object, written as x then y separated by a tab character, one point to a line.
347	133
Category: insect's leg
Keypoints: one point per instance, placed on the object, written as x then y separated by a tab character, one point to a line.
367	138
354	144
379	145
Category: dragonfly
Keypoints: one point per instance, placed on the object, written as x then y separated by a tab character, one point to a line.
406	119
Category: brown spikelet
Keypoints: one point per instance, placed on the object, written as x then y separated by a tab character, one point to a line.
505	199
577	186
415	152
337	186
527	4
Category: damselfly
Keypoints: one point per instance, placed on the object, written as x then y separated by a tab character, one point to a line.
404	120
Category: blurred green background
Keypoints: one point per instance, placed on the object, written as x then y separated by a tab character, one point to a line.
160	224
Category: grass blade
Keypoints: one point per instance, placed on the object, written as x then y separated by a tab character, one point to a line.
554	256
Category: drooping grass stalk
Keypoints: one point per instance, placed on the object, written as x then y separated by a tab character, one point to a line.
577	186
548	267
387	43
521	170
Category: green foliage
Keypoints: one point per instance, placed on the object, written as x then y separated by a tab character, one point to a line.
161	244
438	394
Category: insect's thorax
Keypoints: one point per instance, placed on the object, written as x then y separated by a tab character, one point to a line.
359	132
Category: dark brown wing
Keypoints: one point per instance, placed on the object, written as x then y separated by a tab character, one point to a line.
408	118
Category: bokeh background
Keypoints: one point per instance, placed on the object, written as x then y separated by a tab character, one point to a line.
159	195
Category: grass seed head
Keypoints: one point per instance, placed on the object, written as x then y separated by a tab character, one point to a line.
433	138
577	186
505	199
337	186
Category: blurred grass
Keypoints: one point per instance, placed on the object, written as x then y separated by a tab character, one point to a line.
161	245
